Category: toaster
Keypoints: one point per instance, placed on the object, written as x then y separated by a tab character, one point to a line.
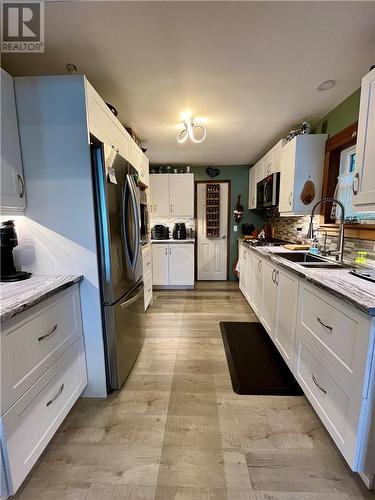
160	232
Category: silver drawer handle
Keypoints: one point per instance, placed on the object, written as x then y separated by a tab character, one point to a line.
318	385
149	290
47	334
22	184
323	324
58	393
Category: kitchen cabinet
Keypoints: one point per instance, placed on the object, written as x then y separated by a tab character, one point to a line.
257	285
364	178
268	296
160	264
302	160
173	265
172	195
140	162
285	313
252	187
181	189
159	195
12	185
147	274
43	367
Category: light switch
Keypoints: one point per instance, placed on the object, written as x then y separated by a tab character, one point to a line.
235	229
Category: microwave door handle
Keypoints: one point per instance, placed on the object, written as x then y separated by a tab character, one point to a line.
265	191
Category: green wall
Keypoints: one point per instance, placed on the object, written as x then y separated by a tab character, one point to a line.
340	117
239	177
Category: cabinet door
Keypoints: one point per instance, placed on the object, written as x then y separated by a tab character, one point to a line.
257	285
160	273
181	188
261	171
286	314
249	281
268	162
267	302
242	260
145	169
287	178
12	182
159	189
252	187
181	264
364	180
277	156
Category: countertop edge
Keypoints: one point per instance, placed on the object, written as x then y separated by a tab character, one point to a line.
41	298
370	311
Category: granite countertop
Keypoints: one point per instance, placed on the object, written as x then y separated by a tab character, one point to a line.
171	240
353	290
18	296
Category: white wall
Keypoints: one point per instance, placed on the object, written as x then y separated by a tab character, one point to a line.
57	236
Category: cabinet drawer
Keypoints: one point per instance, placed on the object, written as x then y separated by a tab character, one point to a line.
34	340
336	403
30	424
147	259
339	332
148	289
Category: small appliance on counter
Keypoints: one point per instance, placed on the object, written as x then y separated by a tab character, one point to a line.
179	231
160	232
8	241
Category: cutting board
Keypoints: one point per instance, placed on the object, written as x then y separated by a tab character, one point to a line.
293	246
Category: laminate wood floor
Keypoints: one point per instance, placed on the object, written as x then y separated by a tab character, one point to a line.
178	431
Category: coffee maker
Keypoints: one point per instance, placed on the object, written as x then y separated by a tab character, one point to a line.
179	231
8	241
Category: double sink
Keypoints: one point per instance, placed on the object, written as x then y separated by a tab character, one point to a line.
309	260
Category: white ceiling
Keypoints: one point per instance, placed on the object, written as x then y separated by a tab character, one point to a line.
250	68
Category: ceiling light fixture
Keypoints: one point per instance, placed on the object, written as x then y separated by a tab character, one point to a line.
192	129
326	85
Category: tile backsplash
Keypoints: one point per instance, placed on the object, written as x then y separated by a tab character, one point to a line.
286	228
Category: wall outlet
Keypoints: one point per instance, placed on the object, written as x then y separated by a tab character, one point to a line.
235	228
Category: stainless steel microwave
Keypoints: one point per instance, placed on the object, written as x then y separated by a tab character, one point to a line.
268	191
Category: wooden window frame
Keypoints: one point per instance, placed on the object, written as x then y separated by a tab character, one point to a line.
334	146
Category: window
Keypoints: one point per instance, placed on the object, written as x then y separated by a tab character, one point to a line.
343	191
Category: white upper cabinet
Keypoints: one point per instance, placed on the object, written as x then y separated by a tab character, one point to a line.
159	191
106	127
172	195
364	177
12	193
269	164
181	188
303	160
252	187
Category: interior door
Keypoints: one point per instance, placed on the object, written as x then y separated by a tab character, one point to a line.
212	252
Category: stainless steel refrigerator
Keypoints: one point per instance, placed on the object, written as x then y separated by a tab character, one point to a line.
118	225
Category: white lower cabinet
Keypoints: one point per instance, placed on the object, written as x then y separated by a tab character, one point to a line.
268	295
335	401
43	372
329	346
173	264
284	330
147	274
30	424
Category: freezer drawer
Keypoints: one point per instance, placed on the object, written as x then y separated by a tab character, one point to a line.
124	334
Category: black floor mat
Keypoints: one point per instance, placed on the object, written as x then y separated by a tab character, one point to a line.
255	365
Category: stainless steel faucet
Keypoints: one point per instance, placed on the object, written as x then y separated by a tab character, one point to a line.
339	253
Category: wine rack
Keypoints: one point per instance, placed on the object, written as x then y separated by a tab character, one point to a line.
213	210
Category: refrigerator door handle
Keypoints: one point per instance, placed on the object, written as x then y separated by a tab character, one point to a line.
137	221
130	255
131	301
